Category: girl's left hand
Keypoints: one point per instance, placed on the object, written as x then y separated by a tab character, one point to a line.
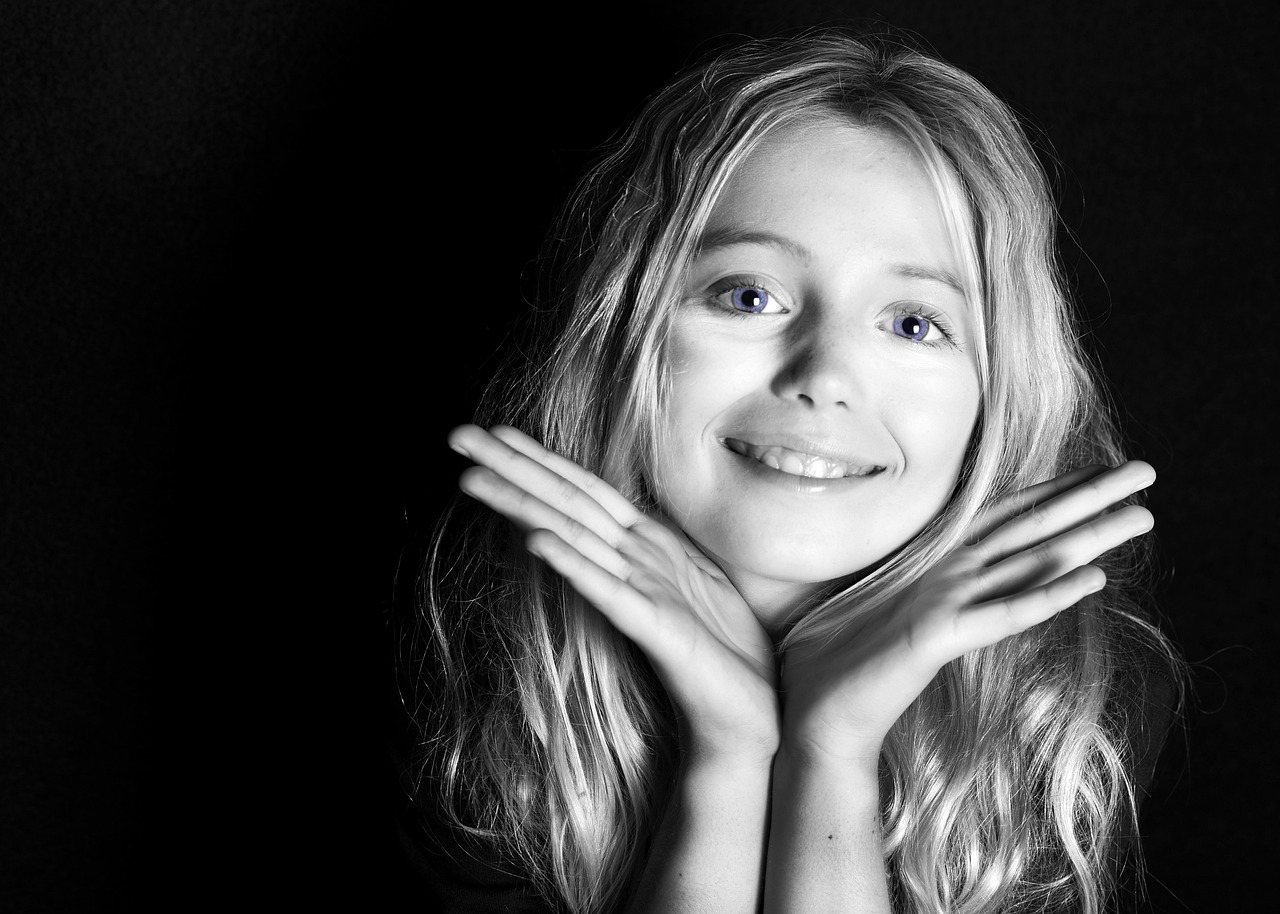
1027	559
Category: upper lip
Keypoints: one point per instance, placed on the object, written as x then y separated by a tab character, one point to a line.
827	450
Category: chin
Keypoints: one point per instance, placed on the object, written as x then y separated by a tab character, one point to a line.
796	569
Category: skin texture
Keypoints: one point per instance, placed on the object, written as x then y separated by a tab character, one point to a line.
837	232
776	800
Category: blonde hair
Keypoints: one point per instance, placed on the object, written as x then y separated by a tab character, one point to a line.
545	732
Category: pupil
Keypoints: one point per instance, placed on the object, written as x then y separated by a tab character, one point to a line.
911	325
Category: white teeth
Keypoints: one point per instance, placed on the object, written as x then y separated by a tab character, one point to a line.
798	463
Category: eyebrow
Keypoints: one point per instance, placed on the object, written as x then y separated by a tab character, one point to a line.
931	274
717	238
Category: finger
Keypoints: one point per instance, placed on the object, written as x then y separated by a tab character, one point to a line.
622	510
533	477
1066	510
1016	503
986	623
529	512
629	611
655	528
1044	562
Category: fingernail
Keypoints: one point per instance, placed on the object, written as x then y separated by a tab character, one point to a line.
460	449
1147	477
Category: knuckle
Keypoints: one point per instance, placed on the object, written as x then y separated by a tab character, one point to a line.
565	492
977	554
1039	519
1098	487
614	588
1042	555
647	529
574	532
975	582
592	484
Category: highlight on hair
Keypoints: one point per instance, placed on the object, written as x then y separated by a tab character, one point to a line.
1009	781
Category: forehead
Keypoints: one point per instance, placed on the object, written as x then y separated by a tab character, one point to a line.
844	198
817	160
856	145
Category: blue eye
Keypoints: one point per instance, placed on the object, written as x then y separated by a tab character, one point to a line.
745	294
751	299
912	326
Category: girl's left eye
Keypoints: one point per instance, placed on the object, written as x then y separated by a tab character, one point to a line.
912	326
921	329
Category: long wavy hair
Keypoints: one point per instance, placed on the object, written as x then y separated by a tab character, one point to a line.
1009	783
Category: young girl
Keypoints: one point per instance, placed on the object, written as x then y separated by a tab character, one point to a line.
818	600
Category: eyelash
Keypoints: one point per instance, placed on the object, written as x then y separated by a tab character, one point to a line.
935	318
729	283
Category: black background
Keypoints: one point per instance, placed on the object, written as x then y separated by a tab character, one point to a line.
256	259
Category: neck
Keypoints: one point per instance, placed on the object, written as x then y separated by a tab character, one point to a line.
775	603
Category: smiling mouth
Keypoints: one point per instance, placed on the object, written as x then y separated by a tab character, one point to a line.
798	463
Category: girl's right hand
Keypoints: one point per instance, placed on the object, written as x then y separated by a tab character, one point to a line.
648	579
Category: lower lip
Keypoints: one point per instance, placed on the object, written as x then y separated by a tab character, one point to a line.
801	485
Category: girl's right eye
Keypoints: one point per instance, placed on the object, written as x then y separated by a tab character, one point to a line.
747	297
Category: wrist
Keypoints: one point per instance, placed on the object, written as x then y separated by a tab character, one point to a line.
845	787
751	748
824	747
699	757
826	846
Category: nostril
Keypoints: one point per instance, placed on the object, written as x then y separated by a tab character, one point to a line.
809	401
819	383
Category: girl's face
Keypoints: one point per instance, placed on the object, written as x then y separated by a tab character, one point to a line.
824	382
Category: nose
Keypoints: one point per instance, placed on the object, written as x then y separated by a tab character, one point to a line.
822	369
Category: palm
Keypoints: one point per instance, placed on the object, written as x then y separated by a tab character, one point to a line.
648	579
844	695
1029	558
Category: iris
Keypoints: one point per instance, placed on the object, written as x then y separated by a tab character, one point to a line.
911	326
750	299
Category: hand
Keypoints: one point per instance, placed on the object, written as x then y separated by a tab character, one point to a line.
1026	559
648	579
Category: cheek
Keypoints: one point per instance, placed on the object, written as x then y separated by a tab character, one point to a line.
935	423
680	421
706	379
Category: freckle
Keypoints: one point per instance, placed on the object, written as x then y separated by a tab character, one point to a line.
829	837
